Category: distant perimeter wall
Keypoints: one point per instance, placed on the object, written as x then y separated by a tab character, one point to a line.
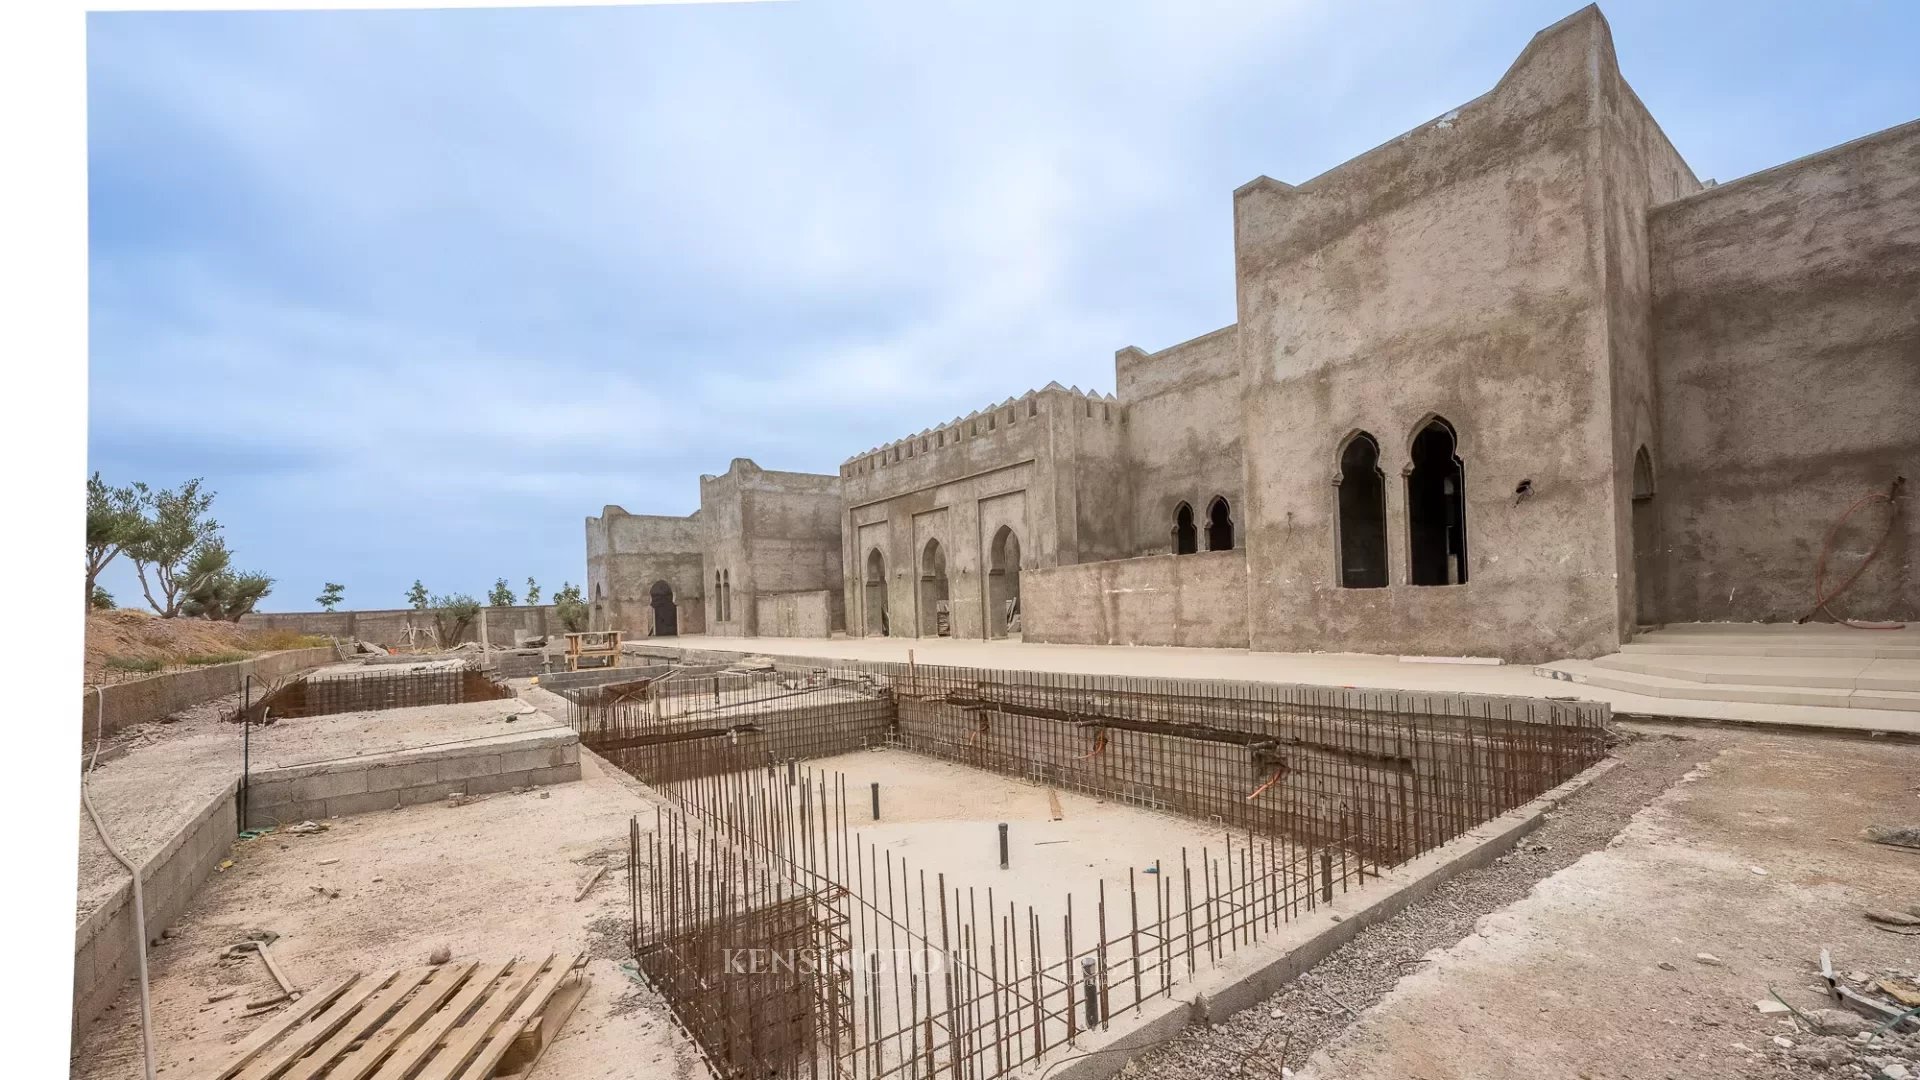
389	626
1787	337
1195	600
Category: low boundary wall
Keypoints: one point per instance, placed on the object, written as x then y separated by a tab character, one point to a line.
104	955
1193	600
327	789
141	700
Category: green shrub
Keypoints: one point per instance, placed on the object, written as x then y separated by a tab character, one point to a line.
128	663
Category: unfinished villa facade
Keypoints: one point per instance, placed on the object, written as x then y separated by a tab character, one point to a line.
1512	384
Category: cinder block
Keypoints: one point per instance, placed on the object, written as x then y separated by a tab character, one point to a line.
505	781
365	802
454	769
424	793
556	774
329	785
403	777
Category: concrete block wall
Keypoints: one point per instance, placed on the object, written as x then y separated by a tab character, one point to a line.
408	778
140	700
104	946
1195	600
389	626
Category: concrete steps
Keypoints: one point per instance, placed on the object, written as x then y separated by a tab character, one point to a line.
1828	666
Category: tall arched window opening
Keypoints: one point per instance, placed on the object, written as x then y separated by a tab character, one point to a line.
1437	508
1186	538
1362	522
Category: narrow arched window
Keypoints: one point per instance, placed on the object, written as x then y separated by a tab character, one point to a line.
1186	538
1362	519
1437	508
1219	525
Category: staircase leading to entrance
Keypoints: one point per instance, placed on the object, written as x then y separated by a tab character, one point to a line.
1765	663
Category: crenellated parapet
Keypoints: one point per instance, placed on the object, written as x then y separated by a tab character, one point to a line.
1051	403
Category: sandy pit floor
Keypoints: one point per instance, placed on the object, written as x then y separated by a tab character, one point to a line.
944	818
491	879
1645	959
152	779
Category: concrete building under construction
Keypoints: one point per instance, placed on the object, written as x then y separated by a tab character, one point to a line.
1514	383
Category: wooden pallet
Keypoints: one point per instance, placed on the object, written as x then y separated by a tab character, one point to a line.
448	1022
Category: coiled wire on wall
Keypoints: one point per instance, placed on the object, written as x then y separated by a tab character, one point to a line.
139	901
1822	597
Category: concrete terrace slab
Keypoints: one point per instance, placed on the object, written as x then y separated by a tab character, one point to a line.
1323	669
1594	973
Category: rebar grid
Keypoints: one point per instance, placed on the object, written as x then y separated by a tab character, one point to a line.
377	691
1316	789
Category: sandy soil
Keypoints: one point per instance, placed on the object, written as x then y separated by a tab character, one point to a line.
1756	861
153	778
129	635
490	879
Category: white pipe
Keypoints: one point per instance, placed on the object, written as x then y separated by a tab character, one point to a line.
139	901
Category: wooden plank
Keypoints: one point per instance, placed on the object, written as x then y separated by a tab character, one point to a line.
312	1003
436	990
303	1039
506	1034
414	1048
466	1042
1053	803
371	1014
521	1061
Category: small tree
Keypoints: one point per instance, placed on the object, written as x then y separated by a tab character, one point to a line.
452	615
101	600
212	589
533	592
177	526
417	596
116	517
330	595
502	595
569	608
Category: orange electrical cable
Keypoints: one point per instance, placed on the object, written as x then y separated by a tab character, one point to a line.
1274	779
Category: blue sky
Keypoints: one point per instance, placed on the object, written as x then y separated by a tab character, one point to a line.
418	291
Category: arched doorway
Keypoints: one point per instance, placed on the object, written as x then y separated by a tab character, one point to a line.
876	605
1437	508
1186	538
666	617
1219	525
1003	582
1646	542
933	591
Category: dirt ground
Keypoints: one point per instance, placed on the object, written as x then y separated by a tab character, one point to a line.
153	778
122	640
1645	958
490	879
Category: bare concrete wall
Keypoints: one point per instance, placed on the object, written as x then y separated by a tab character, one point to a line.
628	553
1451	272
796	614
1046	466
769	532
1183	434
1198	600
1787	335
